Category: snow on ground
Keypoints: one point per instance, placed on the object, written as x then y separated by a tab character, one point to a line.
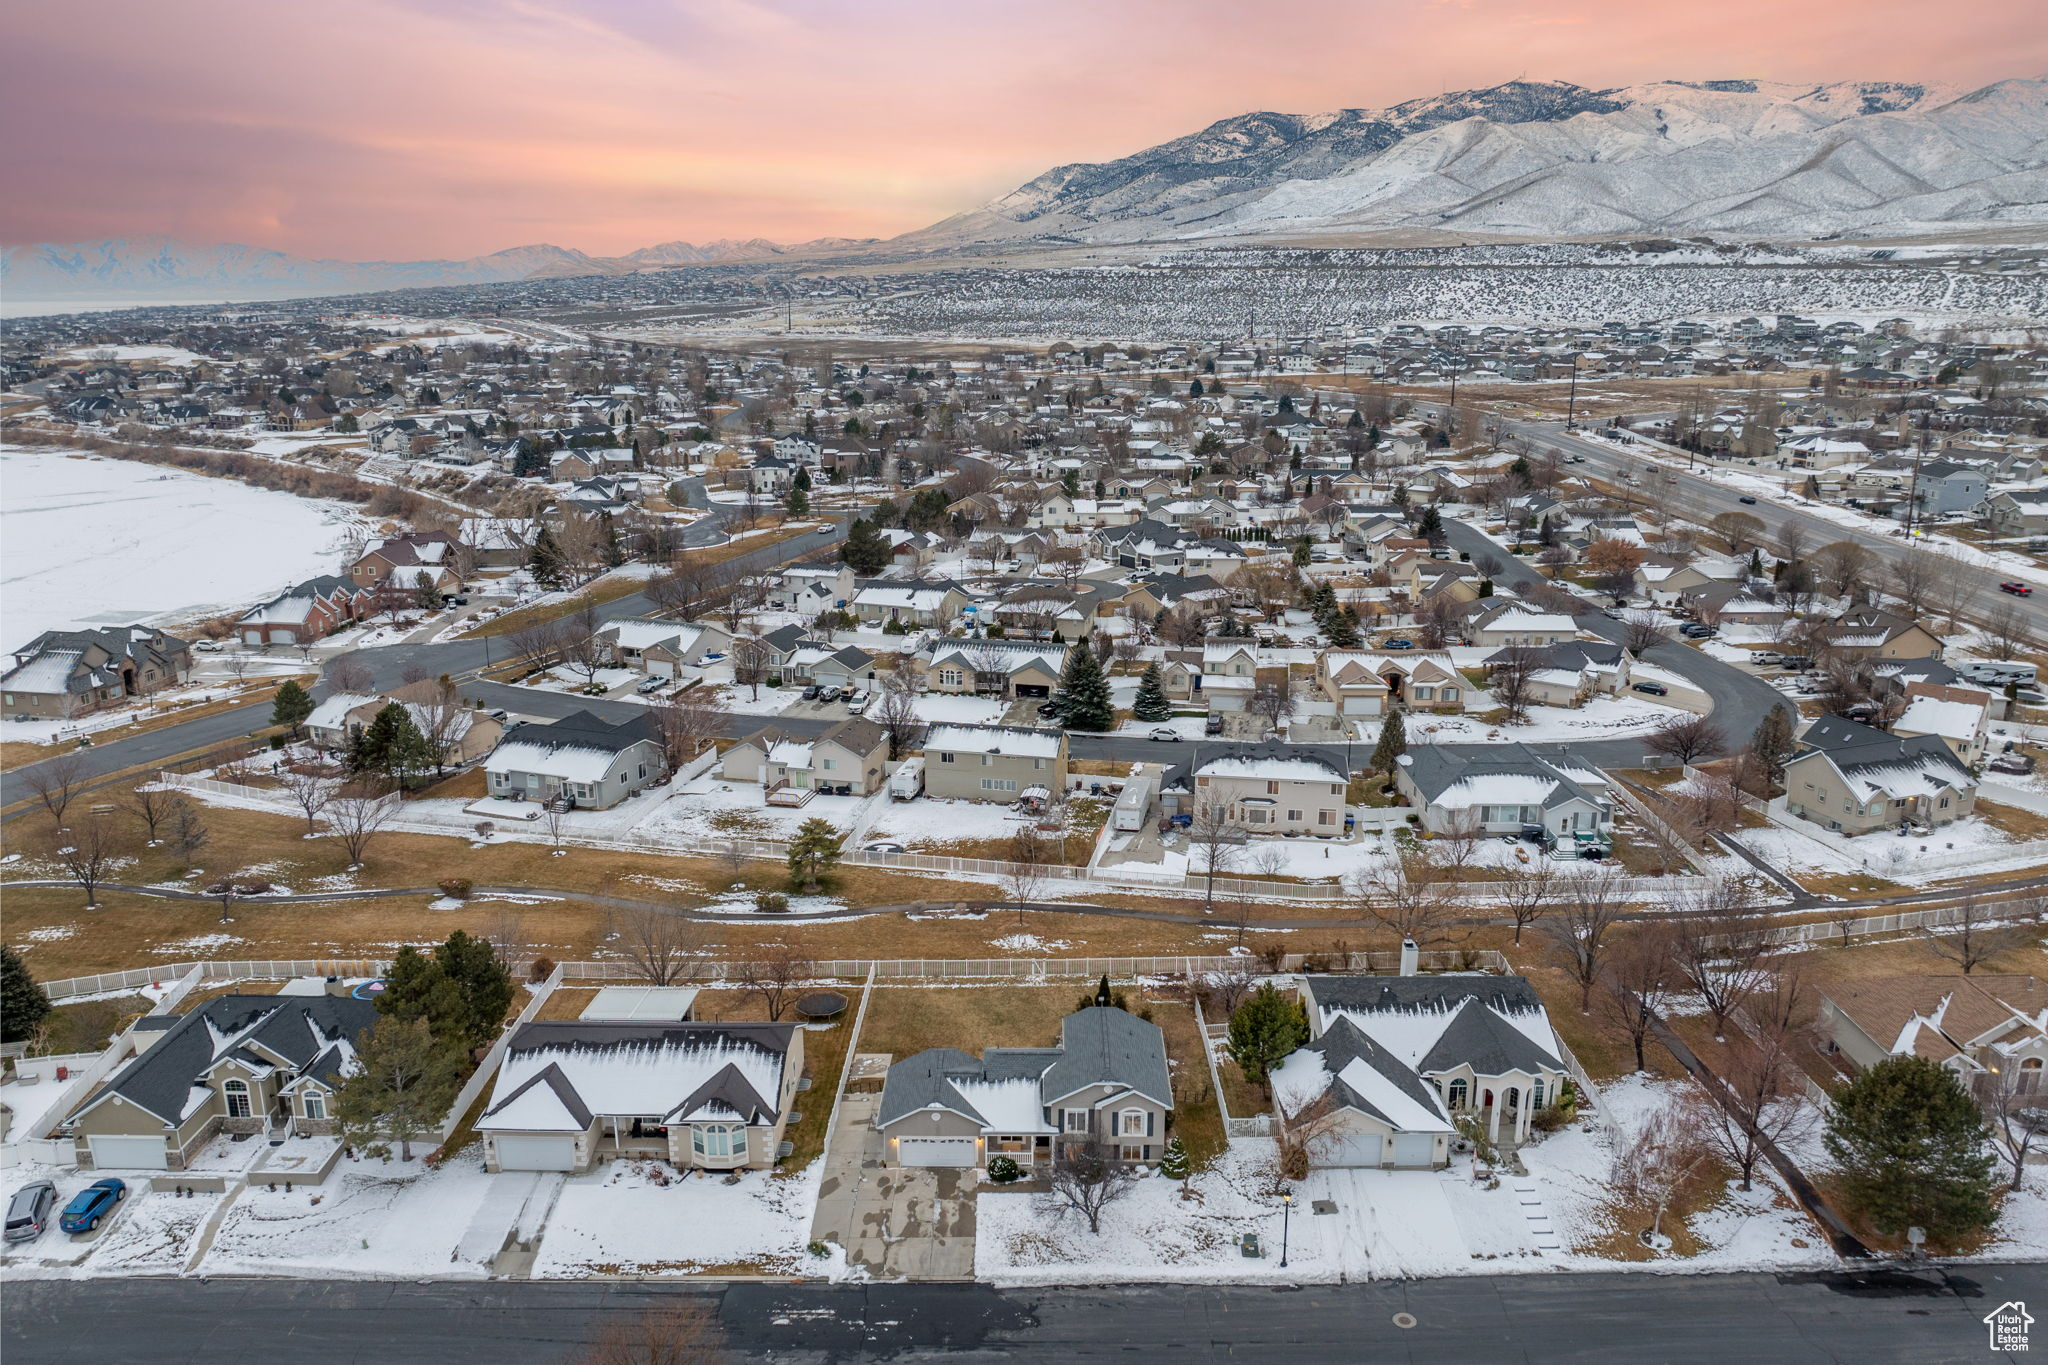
710	807
928	821
155	355
640	1218
1187	727
369	1220
1599	718
938	708
165	544
1969	846
28	1103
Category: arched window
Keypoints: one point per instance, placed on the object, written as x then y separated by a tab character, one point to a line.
1458	1093
237	1093
2031	1064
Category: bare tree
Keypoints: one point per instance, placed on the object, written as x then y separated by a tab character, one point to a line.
1634	979
1025	873
1761	1102
348	674
310	791
1721	947
1406	896
89	854
1687	739
1510	678
1659	1163
682	726
356	815
187	832
583	652
778	975
1973	936
1641	630
661	947
1529	894
151	806
1588	909
750	662
896	712
1303	1138
54	782
1217	839
554	818
2011	1099
1090	1176
2008	630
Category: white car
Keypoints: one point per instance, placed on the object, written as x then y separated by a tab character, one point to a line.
1165	736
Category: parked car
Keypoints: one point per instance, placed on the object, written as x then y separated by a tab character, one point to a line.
648	685
28	1213
826	530
1213	725
1398	644
1698	631
810	693
2017	589
1653	689
857	698
1049	709
882	846
91	1204
208	646
1795	663
1165	735
1747	500
2020	764
1767	658
831	693
2030	696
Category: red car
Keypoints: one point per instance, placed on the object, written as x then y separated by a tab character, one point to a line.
2017	589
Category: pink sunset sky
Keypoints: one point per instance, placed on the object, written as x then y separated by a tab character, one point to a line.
398	129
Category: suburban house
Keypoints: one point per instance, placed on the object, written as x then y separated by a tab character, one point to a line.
882	601
572	1093
999	763
1972	1025
236	1064
1499	792
1512	623
582	760
996	667
1273	789
434	551
1567	673
661	648
1396	1060
459	733
1958	716
302	614
2017	512
850	759
65	673
1107	1081
1872	633
849	666
1855	779
1366	682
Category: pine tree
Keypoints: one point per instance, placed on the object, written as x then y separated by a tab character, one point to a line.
1772	742
1386	755
417	986
480	977
23	1003
1151	703
291	706
1301	552
812	853
1174	1163
1263	1030
1070	482
1357	423
614	548
405	1081
1083	696
1343	627
1908	1146
865	550
802	481
798	503
1431	526
546	563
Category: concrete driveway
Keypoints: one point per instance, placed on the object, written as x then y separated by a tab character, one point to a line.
895	1222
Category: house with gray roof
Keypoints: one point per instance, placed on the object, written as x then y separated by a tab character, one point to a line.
1106	1080
1856	779
236	1064
65	673
573	1093
581	760
1502	787
1394	1063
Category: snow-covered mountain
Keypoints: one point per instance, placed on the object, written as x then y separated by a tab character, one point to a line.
162	269
1552	159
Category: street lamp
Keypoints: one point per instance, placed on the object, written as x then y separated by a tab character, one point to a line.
1286	1209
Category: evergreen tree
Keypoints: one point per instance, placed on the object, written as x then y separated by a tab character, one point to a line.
1301	552
23	1002
416	987
1386	755
1908	1145
1070	482
812	853
394	746
1431	525
481	979
1772	742
291	706
406	1078
1174	1163
865	550
614	548
798	503
802	481
1343	627
1083	696
1357	422
1195	389
547	564
1151	703
1263	1030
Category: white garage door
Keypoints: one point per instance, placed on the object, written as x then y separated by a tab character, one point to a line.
537	1153
128	1153
1414	1149
1359	1149
935	1151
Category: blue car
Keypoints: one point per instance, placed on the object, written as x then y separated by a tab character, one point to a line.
91	1204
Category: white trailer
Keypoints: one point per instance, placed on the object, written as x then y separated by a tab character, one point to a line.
907	782
1133	804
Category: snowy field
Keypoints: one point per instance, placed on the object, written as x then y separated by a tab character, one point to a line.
1969	847
639	1218
164	545
1599	718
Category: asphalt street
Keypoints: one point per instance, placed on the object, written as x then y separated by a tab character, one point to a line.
1866	1317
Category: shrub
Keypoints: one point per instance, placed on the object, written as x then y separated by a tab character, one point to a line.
1550	1118
456	888
541	970
771	902
1003	1170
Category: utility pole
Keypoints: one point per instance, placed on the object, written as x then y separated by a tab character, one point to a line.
1571	403
1913	491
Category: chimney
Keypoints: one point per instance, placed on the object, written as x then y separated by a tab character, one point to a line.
1410	957
334	985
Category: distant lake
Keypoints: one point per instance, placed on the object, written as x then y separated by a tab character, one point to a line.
94	541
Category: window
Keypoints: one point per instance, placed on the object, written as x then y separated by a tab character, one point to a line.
1536	1094
949	677
718	1140
1131	1123
1449	694
998	784
1458	1092
1272	789
237	1093
830	764
1326	817
316	1106
945	758
1294	817
984	760
1256	815
1076	1121
1425	694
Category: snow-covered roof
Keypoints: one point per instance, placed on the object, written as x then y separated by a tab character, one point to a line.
1933	716
1271	769
993	739
676	1071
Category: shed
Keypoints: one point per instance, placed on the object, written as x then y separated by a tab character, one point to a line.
641	1005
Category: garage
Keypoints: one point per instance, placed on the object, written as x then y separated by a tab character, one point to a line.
935	1151
128	1153
536	1153
1414	1149
1034	691
1354	1149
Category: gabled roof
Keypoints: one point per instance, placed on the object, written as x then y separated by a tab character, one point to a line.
560	1075
1103	1045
